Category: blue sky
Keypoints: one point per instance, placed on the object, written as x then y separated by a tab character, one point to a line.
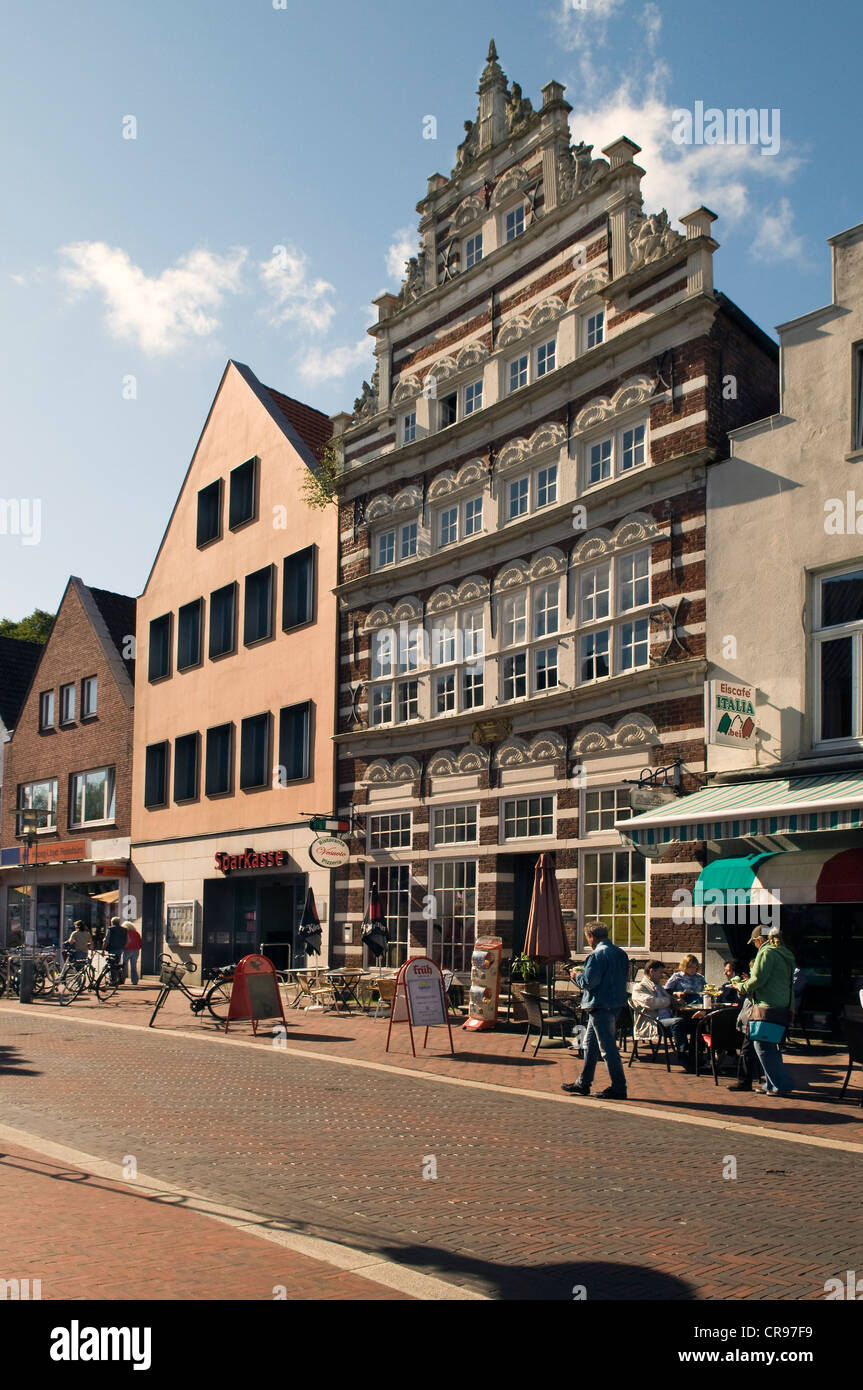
302	127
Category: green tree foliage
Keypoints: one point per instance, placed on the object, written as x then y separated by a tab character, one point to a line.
35	628
321	488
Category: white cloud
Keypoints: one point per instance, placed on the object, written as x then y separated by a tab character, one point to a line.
328	364
159	312
296	298
775	239
405	243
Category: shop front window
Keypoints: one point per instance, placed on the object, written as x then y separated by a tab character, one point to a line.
94	904
453	930
615	893
18	905
394	892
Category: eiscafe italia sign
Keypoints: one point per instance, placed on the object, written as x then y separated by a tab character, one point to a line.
731	713
250	859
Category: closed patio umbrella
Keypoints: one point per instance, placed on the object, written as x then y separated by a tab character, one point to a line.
375	936
309	930
545	941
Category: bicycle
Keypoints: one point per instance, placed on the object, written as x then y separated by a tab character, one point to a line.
215	996
78	976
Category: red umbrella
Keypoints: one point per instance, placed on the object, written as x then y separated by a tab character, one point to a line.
545	940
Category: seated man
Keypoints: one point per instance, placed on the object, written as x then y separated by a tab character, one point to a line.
730	993
651	1010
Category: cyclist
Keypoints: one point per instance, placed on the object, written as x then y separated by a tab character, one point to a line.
80	942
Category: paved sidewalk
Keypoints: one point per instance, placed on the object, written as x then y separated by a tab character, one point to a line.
816	1110
86	1237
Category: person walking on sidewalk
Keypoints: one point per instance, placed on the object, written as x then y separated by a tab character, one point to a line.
770	988
748	1066
603	980
115	945
131	952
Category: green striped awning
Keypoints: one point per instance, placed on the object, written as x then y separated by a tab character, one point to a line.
746	810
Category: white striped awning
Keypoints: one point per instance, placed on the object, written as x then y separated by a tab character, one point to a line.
750	810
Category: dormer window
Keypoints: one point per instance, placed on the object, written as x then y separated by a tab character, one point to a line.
513	223
473	250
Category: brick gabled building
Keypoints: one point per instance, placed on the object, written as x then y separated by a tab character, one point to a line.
68	773
522	539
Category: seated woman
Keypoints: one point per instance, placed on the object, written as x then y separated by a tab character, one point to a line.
651	1010
687	984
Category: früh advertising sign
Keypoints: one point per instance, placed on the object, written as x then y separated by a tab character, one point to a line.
255	992
420	992
731	713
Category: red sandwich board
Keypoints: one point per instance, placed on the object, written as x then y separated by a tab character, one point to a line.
421	996
255	992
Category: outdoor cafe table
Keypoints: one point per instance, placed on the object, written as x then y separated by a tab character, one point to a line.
344	985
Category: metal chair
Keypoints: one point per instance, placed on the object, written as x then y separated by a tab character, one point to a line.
797	1024
660	1042
720	1033
853	1029
542	1022
386	988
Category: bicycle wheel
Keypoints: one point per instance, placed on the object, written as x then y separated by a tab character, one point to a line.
2	983
219	999
39	980
72	985
108	982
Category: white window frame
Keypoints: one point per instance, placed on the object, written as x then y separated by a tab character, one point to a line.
528	797
461	951
616	454
618	811
475	405
586	320
408	427
89	697
519	637
453	809
513	212
470	248
110	811
819	636
390	833
543	347
46	703
616	618
613	848
460	509
25	803
67	703
402	872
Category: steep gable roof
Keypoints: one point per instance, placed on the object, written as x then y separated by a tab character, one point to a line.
312	425
18	662
118	612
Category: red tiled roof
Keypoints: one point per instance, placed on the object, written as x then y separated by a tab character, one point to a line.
311	425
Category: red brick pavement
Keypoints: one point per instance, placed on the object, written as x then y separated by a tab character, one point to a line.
85	1237
817	1110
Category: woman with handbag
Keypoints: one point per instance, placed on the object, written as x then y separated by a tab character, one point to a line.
770	987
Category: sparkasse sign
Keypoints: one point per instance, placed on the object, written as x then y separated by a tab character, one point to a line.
731	713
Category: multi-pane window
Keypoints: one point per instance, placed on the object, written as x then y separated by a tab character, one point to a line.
838	655
219	779
258	616
408	540
394	895
189	626
243	497
382	704
518	497
527	816
614	892
602	808
382	654
473	250
209	527
298	588
407	700
386	548
518	372
294	741
187	758
615	454
92	796
443	644
473	516
444	693
159	664
255	752
514	619
454	825
89	696
448	529
513	223
409	427
537	669
546	486
545	357
545	668
514	677
156	776
453	932
223	621
39	798
390	830
459	521
473	638
594	329
397	543
67	703
545	609
473	397
617	589
449	409
410	646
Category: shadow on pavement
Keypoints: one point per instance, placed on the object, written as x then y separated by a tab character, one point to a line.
11	1063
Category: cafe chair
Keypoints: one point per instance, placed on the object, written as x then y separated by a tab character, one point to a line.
798	1024
853	1030
660	1042
386	991
719	1034
542	1022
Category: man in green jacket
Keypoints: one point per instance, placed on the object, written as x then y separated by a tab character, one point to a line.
770	985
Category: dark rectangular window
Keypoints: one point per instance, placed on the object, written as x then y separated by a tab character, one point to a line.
189	623
449	410
223	621
186	751
46	709
210	513
219	777
243	498
294	728
156	776
160	648
837	689
298	588
258	618
255	752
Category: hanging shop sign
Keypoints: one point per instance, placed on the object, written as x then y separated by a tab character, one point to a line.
329	852
420	992
250	859
731	719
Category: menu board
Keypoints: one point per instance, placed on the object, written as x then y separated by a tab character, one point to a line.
425	995
180	923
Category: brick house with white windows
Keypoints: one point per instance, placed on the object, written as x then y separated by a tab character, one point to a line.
522	541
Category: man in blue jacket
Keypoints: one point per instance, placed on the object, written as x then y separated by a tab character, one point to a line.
603	980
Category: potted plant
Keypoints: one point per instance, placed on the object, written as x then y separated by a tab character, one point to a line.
523	974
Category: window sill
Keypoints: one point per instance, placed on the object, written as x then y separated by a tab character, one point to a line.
855	456
94	825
